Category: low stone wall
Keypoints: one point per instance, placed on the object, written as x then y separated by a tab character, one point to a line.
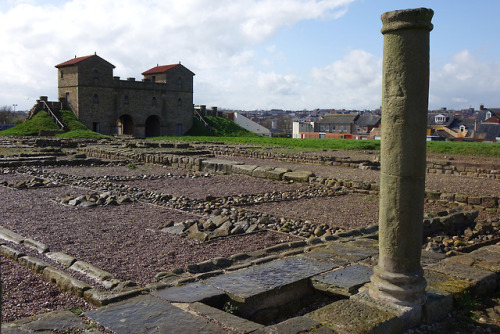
234	167
297	158
449	169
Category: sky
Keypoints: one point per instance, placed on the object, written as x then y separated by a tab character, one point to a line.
250	54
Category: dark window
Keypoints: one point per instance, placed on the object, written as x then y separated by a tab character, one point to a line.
62	74
96	98
125	99
95	74
153	101
179	102
153	78
179	81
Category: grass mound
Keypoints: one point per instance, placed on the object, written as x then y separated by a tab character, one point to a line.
43	122
40	122
224	127
77	129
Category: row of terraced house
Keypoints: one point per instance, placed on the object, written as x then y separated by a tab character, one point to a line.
481	125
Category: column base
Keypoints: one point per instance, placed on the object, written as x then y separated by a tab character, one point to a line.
398	289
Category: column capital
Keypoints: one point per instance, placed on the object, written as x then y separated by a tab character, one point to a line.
419	18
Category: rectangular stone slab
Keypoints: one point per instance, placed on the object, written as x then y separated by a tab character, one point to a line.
148	314
344	281
189	293
253	281
348	316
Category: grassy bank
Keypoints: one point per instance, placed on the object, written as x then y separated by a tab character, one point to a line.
463	148
42	122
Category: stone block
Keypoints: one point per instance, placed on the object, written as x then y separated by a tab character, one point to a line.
244	169
484	282
299	176
40	247
136	314
474	200
91	271
219	166
65	281
188	293
449	197
254	281
33	263
489	202
296	325
11	253
348	316
234	323
100	298
436	307
261	172
344	281
8	235
277	173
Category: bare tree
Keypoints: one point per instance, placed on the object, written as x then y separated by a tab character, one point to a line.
6	115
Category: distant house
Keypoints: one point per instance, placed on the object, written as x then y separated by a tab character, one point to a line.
341	126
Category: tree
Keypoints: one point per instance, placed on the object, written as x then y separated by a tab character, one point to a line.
6	115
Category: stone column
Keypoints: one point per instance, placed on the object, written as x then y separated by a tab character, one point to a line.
398	277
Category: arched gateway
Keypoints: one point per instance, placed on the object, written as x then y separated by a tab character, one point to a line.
141	108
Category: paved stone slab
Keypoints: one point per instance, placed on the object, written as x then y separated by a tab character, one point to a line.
440	283
148	314
429	257
292	326
228	320
189	293
255	280
485	281
347	317
323	254
345	281
349	252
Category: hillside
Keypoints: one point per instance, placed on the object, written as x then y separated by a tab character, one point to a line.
42	122
222	127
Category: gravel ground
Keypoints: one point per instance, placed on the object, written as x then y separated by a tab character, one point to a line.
125	240
435	182
25	293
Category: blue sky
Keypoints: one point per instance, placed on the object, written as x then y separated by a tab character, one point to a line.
250	54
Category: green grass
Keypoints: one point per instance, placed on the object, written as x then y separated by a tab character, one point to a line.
41	121
224	127
451	148
464	148
311	144
198	129
77	129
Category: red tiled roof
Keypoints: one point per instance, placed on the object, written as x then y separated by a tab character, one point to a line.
159	69
73	61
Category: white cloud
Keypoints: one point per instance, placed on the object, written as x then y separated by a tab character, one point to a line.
212	38
465	81
354	82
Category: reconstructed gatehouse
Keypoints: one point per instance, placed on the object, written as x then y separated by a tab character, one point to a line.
159	105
